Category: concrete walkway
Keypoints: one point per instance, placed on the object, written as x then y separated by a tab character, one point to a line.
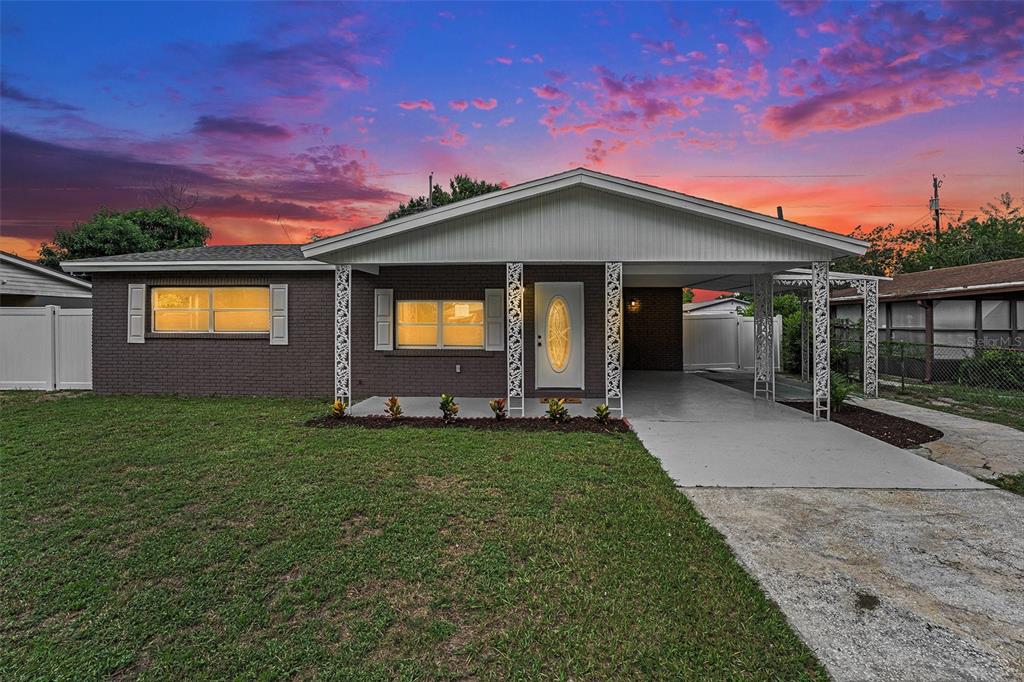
980	449
709	434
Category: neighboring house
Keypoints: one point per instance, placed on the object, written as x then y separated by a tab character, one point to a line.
24	283
980	305
519	292
718	305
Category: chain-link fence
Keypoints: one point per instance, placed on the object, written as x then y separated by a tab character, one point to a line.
975	380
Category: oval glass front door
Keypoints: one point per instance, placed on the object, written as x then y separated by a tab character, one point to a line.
559	334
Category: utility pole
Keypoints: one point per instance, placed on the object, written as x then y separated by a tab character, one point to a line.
430	190
933	205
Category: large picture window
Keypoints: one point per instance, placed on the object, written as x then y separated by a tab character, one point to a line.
440	324
211	309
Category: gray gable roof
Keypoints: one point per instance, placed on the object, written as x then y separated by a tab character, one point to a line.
231	257
234	252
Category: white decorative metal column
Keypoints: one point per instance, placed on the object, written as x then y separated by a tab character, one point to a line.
613	337
343	333
764	327
868	289
820	330
514	337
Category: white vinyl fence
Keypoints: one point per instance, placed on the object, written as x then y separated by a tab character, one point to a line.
45	349
723	340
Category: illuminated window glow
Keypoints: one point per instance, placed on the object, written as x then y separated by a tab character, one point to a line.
559	334
440	324
211	309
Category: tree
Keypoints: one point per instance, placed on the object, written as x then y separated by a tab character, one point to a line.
461	187
109	233
996	234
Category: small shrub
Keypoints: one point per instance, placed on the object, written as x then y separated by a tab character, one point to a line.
839	390
449	408
557	411
602	413
994	368
339	408
393	407
499	406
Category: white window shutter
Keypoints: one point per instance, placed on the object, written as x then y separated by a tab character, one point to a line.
278	314
494	319
136	313
383	322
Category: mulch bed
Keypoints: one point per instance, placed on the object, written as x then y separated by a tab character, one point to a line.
897	431
574	425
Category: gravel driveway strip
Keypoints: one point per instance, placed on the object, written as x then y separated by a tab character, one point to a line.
888	584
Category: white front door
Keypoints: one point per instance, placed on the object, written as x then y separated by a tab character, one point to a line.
558	322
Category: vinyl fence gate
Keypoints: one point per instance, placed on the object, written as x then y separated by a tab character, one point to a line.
45	349
723	341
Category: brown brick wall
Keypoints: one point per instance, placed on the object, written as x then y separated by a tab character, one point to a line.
233	364
430	372
246	365
653	335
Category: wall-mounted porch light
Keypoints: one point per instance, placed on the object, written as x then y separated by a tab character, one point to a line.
634	305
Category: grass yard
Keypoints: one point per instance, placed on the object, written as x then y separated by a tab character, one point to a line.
213	538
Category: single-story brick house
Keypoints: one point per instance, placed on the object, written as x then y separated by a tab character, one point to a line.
516	293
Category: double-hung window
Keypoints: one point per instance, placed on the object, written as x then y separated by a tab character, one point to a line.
440	324
211	309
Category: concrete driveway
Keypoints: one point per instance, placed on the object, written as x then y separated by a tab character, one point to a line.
890	566
709	434
887	584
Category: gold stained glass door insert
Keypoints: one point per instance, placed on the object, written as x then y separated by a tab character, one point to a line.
559	334
558	330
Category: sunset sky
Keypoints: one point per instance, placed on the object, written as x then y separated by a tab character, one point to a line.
294	119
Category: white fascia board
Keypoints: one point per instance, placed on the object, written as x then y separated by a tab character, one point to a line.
49	272
845	245
163	266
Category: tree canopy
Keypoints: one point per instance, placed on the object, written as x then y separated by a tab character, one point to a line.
110	233
996	234
460	187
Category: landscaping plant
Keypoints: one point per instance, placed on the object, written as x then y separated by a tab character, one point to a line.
557	411
393	407
602	413
449	408
839	390
499	406
339	408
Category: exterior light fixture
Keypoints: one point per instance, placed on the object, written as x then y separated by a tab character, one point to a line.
634	305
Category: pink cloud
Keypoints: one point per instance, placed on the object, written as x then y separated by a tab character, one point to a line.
506	121
598	150
557	76
485	104
446	15
503	60
801	8
458	104
548	92
891	61
752	37
410	105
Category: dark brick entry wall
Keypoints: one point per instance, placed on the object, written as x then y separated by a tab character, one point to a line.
653	333
483	373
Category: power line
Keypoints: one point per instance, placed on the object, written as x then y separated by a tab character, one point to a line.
838	175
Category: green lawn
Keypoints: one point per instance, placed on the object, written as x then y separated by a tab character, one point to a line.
211	538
